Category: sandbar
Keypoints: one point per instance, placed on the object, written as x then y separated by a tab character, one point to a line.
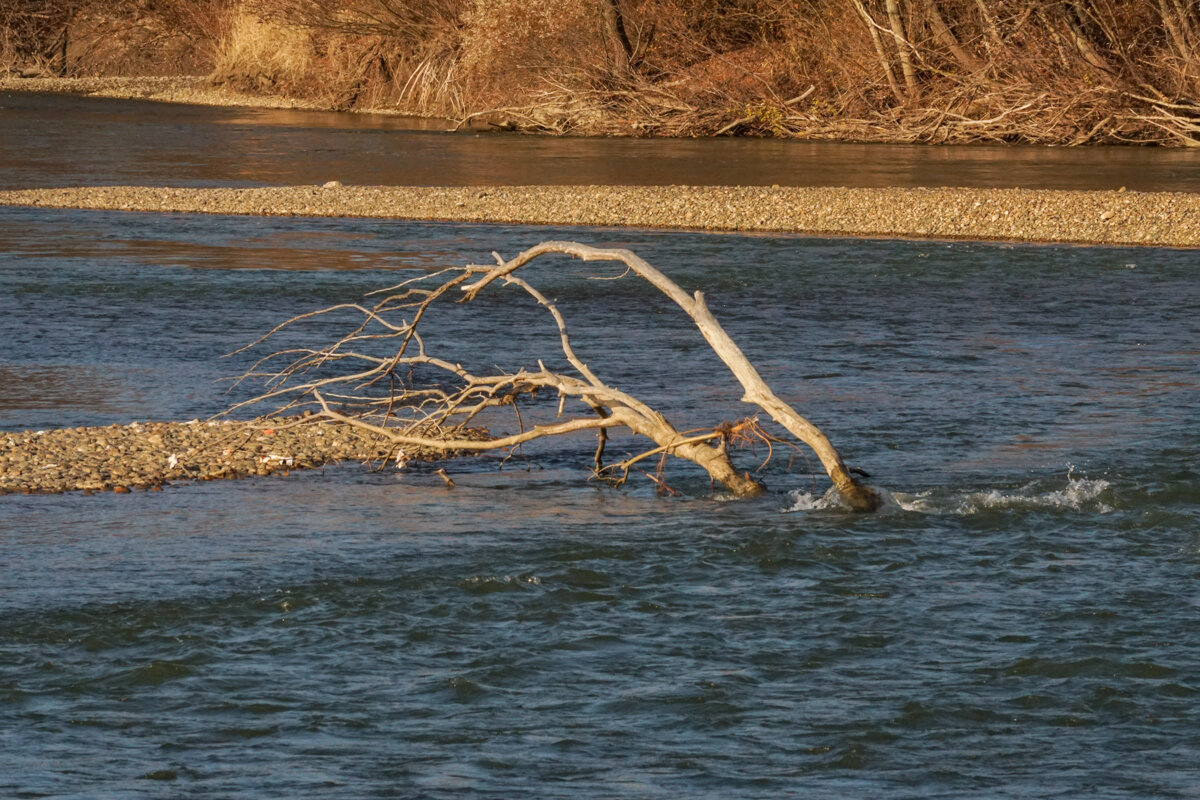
1159	219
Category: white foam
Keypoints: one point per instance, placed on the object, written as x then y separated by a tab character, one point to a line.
804	501
1079	494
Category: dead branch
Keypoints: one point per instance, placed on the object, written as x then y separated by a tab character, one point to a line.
379	393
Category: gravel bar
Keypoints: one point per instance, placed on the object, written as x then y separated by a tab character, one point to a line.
1161	219
189	89
121	458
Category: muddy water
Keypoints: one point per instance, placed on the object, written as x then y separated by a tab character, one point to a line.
1021	622
55	140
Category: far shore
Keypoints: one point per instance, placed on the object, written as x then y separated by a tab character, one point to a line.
187	89
1158	219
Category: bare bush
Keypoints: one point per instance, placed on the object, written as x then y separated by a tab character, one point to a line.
1048	71
112	37
34	34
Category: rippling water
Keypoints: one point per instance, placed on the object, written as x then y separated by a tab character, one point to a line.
1019	622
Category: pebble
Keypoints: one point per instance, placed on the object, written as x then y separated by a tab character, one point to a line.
1170	219
120	458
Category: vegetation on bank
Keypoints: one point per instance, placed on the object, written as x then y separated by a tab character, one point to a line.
1044	71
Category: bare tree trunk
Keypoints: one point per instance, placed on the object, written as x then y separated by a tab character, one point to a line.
903	47
873	28
1178	28
1063	52
946	37
1073	22
989	23
614	22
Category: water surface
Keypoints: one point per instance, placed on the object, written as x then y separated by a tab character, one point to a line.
1021	623
58	140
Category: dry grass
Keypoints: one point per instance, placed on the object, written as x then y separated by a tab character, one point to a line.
347	55
1048	71
264	56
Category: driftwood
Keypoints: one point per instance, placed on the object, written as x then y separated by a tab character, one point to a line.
374	392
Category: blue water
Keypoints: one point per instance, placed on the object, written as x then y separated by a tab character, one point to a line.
1020	623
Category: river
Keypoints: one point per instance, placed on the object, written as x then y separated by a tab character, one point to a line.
1020	622
57	140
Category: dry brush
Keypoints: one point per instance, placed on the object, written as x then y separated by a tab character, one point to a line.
1046	71
1039	71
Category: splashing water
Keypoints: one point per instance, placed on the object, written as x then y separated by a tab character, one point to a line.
804	501
1079	494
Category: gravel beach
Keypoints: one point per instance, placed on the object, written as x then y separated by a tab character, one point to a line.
1162	219
121	458
190	89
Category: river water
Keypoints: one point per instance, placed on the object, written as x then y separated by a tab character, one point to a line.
56	140
1021	621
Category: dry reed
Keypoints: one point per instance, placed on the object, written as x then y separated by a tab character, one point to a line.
1044	71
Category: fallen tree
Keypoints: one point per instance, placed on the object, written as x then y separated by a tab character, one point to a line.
379	392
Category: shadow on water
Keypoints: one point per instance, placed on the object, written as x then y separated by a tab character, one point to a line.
1023	616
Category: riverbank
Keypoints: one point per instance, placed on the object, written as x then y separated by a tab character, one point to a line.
149	455
1117	72
192	89
196	90
1160	219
